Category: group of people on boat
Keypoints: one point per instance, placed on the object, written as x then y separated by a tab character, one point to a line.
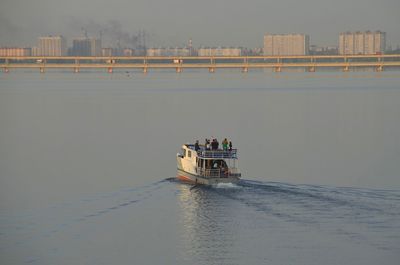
214	145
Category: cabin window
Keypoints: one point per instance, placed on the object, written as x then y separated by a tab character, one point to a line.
189	154
184	152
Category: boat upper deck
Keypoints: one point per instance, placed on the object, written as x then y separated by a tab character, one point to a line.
219	153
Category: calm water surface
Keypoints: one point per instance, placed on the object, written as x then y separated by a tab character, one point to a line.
86	162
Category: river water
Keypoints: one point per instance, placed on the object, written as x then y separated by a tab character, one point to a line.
87	164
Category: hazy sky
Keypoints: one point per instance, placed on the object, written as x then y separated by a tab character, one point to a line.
207	22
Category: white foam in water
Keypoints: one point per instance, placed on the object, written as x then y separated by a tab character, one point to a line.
226	186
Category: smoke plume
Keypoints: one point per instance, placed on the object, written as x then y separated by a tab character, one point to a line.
111	32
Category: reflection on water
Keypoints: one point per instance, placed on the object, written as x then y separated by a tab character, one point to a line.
208	228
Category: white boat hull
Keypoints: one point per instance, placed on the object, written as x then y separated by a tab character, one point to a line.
195	179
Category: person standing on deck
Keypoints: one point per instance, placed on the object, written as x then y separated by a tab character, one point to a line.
207	144
213	144
225	144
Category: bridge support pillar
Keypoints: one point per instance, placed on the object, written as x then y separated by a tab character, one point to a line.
346	69
145	70
110	70
179	70
379	68
277	69
211	70
41	70
76	70
6	70
245	69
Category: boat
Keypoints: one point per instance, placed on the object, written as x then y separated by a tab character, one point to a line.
197	164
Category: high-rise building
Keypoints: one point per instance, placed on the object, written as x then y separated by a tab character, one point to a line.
190	47
379	42
52	46
85	46
80	47
35	51
286	44
362	42
15	51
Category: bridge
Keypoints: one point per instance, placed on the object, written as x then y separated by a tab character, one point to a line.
309	63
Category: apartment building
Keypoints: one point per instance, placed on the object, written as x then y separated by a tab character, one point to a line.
367	42
286	44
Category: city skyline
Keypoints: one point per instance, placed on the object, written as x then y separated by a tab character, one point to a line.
208	23
350	43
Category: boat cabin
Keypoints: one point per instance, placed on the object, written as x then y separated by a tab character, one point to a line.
209	163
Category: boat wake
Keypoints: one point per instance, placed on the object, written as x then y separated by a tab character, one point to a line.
360	216
226	186
346	212
64	218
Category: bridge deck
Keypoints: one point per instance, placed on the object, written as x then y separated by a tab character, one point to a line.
243	62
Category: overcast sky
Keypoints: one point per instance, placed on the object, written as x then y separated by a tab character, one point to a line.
207	22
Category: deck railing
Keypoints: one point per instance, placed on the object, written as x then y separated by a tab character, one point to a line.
231	154
216	173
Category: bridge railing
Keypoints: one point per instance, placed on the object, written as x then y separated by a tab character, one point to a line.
310	62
